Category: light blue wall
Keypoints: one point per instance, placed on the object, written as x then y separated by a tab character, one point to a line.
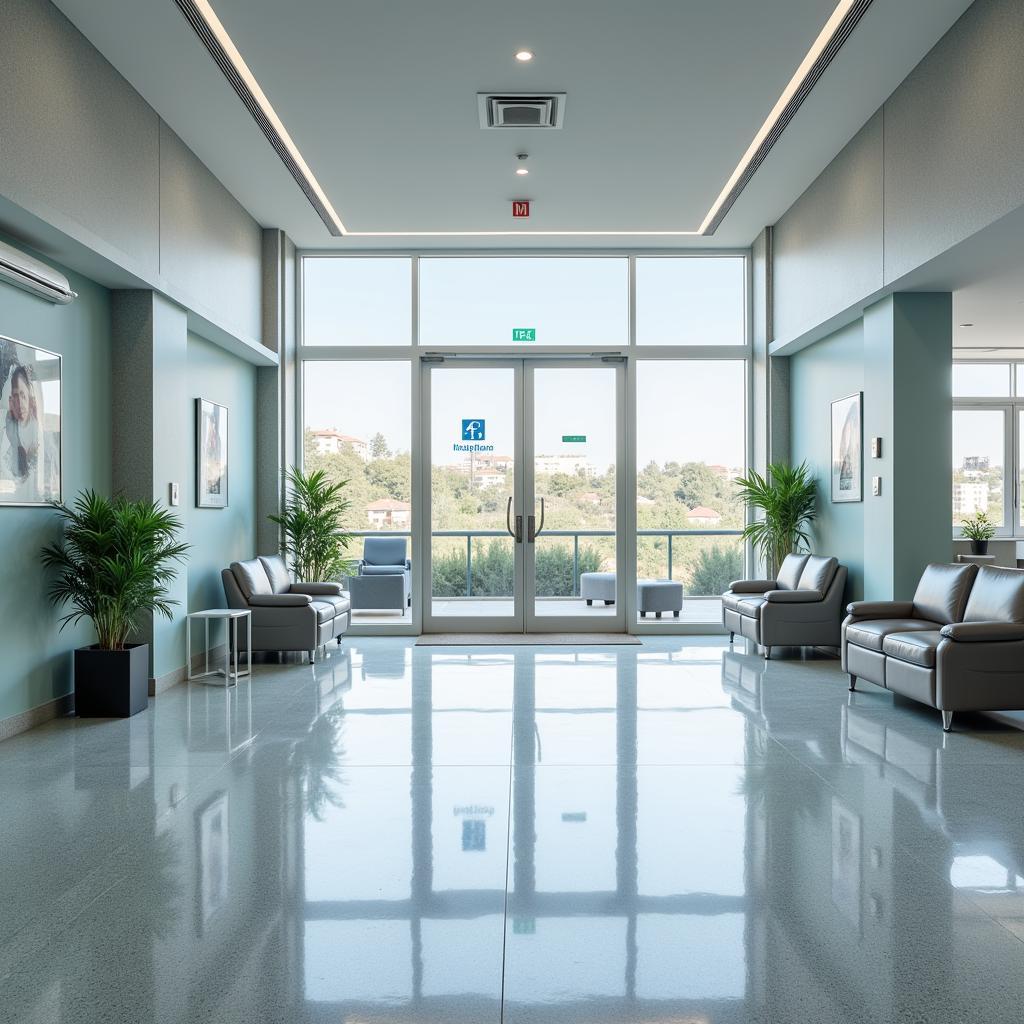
35	667
831	369
220	536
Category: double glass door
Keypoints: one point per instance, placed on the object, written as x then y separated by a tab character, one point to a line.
524	497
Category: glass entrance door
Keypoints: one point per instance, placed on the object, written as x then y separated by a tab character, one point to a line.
524	496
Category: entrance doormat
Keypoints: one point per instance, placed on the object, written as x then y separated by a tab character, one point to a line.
523	639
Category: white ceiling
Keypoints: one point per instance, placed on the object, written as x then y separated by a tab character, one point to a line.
664	96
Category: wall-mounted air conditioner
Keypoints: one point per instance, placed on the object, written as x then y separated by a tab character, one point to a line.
25	272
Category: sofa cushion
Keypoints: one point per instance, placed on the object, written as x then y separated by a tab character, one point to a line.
384	550
917	647
732	601
870	633
750	606
325	611
276	569
340	602
817	573
789	572
997	596
251	577
941	596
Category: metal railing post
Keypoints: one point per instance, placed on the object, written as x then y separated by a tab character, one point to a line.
670	556
469	565
575	564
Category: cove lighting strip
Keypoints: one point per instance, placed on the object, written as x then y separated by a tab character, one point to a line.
839	27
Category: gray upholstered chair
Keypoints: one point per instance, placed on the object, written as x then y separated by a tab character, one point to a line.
286	616
957	646
801	607
385	556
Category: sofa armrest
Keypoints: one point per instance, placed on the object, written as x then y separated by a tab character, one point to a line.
881	609
983	632
752	586
793	596
316	589
280	600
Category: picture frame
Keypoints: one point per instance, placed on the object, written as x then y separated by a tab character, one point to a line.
31	436
211	454
847	448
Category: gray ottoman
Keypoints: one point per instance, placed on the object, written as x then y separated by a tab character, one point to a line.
597	586
377	592
659	596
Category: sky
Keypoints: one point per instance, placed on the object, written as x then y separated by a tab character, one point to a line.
687	410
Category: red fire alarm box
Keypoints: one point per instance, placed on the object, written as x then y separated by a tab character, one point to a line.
520	208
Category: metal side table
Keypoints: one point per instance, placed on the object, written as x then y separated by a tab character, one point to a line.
230	616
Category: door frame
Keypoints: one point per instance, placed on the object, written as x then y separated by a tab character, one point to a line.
524	618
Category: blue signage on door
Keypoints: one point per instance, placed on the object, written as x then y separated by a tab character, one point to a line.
473	430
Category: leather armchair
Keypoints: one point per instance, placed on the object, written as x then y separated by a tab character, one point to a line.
385	556
801	607
286	616
960	648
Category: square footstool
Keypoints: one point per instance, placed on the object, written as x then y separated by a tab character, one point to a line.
659	596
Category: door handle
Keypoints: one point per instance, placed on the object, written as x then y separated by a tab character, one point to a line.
534	530
517	533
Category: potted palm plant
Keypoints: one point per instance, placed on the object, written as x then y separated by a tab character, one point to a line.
113	564
786	497
979	530
314	540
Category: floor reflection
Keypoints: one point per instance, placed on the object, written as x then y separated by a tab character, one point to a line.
675	832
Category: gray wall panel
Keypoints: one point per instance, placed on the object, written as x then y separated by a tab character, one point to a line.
209	246
76	139
954	145
828	245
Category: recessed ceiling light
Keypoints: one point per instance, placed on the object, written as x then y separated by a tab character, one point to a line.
524	56
521	171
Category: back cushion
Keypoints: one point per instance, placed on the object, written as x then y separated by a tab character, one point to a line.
277	572
251	577
818	573
941	596
384	550
997	596
789	571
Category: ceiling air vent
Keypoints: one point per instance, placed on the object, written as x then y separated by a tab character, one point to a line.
523	110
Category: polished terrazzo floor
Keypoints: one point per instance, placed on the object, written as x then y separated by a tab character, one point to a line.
674	833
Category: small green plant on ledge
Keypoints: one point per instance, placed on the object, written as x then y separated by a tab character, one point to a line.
979	530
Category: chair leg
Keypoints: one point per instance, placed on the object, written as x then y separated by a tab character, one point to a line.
853	681
675	614
312	656
590	602
732	637
767	653
657	615
643	615
947	721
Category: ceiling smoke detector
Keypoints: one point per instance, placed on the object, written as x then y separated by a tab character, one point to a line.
522	110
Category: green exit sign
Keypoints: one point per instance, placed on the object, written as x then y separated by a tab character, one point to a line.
524	333
574	438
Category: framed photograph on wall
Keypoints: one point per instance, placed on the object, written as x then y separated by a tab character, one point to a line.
211	455
848	449
30	438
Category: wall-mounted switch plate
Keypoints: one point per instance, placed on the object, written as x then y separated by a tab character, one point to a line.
876	447
175	498
876	485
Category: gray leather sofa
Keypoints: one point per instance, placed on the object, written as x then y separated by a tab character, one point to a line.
286	616
957	646
801	607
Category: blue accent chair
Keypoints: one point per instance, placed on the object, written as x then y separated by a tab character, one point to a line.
385	556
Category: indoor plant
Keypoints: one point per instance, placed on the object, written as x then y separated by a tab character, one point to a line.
313	538
979	530
787	497
114	561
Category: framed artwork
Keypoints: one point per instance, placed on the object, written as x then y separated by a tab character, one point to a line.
846	873
214	856
211	455
848	449
30	438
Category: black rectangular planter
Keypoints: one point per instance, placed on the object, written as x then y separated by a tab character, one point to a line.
111	684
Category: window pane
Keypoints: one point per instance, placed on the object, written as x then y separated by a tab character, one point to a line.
691	300
488	301
981	380
978	446
357	428
690	449
357	301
